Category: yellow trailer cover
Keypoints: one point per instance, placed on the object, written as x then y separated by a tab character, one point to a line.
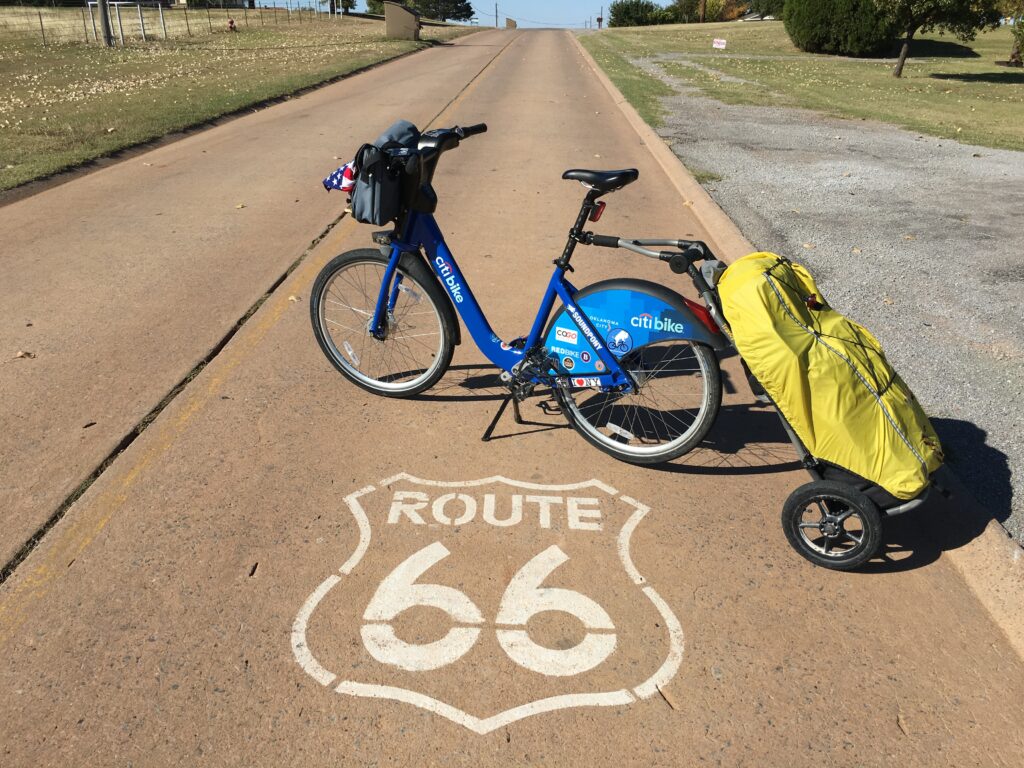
827	375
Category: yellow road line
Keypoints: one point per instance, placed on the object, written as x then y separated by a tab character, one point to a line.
471	85
88	517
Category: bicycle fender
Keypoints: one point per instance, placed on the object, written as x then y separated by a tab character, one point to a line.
628	313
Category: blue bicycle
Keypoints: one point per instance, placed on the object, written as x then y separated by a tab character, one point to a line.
632	363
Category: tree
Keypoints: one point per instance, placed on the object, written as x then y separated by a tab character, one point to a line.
687	11
347	5
638	13
443	10
962	18
768	7
375	6
1013	12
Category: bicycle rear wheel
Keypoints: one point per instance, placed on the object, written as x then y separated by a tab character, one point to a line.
676	403
419	333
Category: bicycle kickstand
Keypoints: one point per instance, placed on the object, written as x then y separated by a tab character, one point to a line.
517	414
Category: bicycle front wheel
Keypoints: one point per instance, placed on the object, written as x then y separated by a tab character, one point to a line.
679	392
418	339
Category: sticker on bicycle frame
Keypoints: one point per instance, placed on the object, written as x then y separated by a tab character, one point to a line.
488	601
619	341
566	335
568	363
585	356
599	366
585	382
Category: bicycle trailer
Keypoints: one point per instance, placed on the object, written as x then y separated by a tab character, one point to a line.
857	425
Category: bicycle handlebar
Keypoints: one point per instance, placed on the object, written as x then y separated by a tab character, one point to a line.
471	130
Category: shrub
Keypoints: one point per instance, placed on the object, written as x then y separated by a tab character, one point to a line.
845	27
636	13
768	7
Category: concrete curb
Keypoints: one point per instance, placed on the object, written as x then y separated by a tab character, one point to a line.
991	563
726	239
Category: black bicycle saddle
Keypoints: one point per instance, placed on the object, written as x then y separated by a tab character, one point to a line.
603	181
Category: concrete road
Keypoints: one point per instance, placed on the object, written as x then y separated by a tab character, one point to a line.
230	590
122	282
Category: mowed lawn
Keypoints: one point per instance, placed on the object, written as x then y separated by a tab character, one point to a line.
949	89
67	103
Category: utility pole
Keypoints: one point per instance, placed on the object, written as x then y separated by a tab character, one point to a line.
600	18
495	15
108	33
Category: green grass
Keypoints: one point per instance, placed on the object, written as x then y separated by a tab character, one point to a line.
704	177
64	104
948	89
640	89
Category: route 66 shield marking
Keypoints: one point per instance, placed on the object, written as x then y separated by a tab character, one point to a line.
488	601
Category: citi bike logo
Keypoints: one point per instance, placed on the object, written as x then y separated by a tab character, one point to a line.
447	276
651	323
578	319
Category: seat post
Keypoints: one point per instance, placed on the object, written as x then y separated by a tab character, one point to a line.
576	233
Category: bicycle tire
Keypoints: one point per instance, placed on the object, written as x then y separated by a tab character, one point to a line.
341	312
628	438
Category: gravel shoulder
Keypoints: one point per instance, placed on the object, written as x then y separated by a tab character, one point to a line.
918	238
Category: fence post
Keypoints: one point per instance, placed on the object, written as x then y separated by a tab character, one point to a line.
209	21
188	28
142	23
85	27
120	27
92	18
163	21
41	30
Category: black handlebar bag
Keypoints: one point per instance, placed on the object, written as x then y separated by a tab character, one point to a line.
383	171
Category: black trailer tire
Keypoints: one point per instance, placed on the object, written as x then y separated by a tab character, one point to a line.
832	524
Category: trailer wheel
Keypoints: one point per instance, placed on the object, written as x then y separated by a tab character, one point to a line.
832	525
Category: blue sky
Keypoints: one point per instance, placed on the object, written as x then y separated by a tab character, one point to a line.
538	13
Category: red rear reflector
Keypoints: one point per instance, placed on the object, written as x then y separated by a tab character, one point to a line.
595	215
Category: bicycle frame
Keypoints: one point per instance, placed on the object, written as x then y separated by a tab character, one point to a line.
422	230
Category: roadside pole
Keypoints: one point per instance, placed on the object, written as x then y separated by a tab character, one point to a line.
104	12
142	23
92	18
41	30
85	26
163	21
187	27
120	26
